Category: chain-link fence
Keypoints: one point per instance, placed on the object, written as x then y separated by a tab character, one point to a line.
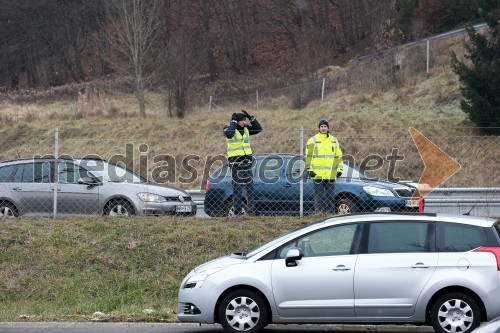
377	72
379	174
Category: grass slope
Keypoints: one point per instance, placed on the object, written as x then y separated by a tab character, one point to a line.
68	269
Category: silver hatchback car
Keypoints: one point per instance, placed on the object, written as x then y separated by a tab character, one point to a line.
442	270
84	186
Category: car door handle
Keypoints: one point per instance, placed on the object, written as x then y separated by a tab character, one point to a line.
17	189
287	185
341	268
420	265
57	189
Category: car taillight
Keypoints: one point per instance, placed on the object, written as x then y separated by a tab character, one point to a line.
421	205
495	250
207	187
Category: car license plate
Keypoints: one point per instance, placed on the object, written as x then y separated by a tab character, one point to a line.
183	209
412	203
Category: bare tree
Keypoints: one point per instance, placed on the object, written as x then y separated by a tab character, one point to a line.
181	66
131	35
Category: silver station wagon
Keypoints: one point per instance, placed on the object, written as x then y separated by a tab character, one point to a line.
84	186
442	270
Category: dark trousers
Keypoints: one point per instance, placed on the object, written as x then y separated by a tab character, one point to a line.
242	179
324	201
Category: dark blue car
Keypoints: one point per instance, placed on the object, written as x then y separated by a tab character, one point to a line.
277	190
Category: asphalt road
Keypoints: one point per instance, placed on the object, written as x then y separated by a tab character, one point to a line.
194	328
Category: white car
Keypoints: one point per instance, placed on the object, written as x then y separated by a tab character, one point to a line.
434	269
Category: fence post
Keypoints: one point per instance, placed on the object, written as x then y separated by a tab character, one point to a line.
56	174
210	104
301	183
323	89
257	97
428	52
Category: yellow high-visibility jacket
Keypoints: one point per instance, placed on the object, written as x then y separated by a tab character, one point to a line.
324	156
239	145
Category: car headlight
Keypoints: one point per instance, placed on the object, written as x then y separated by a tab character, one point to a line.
378	191
197	279
150	197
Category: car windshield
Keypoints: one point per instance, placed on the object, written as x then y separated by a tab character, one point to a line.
353	171
111	172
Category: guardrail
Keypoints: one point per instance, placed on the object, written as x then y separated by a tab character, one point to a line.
483	201
478	201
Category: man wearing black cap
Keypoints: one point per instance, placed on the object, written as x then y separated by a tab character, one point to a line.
324	165
240	158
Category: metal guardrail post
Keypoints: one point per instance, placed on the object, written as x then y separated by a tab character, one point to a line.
323	89
56	174
428	54
301	183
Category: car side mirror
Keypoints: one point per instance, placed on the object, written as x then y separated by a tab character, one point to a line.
89	181
292	256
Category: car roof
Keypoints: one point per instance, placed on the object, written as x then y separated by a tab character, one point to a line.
51	158
431	217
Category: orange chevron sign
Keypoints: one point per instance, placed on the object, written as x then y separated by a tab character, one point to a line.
439	166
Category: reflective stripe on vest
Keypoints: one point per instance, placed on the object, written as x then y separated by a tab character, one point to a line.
239	145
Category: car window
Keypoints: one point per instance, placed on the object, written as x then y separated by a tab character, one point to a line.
351	171
295	168
7	173
70	173
38	172
397	237
111	172
325	242
268	169
459	237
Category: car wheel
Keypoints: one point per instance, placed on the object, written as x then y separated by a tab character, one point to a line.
347	206
455	312
8	210
120	207
243	311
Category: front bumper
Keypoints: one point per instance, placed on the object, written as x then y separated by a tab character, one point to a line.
168	208
196	305
388	204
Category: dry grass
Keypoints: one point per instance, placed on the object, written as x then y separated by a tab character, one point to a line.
365	103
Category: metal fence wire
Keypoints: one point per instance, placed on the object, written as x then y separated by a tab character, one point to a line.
376	72
143	178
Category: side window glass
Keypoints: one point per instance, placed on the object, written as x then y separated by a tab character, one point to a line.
331	241
38	172
29	173
268	169
18	175
459	238
295	169
41	172
397	237
70	173
7	173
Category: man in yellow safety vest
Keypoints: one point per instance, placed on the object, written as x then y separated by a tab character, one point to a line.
239	155
324	165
